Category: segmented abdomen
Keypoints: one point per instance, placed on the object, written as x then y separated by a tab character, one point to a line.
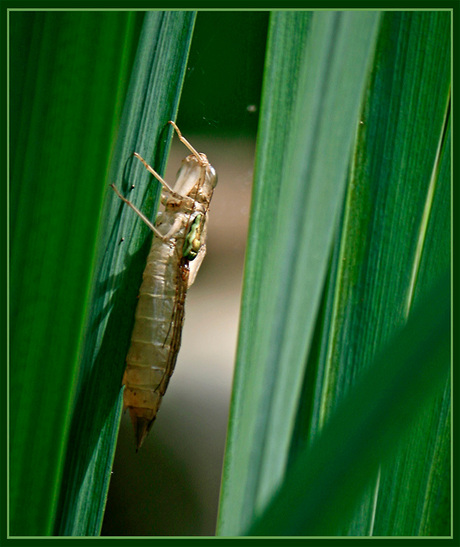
157	329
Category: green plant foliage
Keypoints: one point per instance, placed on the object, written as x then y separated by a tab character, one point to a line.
377	270
395	154
414	497
320	489
332	275
57	184
326	79
73	281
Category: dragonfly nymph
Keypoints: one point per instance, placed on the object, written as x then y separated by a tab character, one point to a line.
178	249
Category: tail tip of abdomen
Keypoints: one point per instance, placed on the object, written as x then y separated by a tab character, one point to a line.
141	424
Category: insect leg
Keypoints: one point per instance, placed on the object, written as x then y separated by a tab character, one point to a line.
201	160
164	237
141	215
161	180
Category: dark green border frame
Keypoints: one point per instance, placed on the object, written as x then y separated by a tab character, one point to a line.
453	5
232	5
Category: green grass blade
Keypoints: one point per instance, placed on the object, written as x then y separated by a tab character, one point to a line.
389	187
272	351
434	517
283	64
152	100
323	485
394	158
62	129
414	496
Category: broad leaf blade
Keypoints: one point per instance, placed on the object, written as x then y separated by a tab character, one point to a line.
62	131
333	71
321	488
384	215
415	492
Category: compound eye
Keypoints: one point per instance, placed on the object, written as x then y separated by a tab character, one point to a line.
212	176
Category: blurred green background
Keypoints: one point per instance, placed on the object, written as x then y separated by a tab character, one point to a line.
224	76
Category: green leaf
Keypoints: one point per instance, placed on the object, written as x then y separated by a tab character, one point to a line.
376	269
414	497
395	152
320	489
326	79
63	129
73	282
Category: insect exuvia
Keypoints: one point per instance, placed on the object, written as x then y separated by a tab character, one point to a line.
178	249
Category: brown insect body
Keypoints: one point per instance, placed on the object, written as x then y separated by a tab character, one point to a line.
178	248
